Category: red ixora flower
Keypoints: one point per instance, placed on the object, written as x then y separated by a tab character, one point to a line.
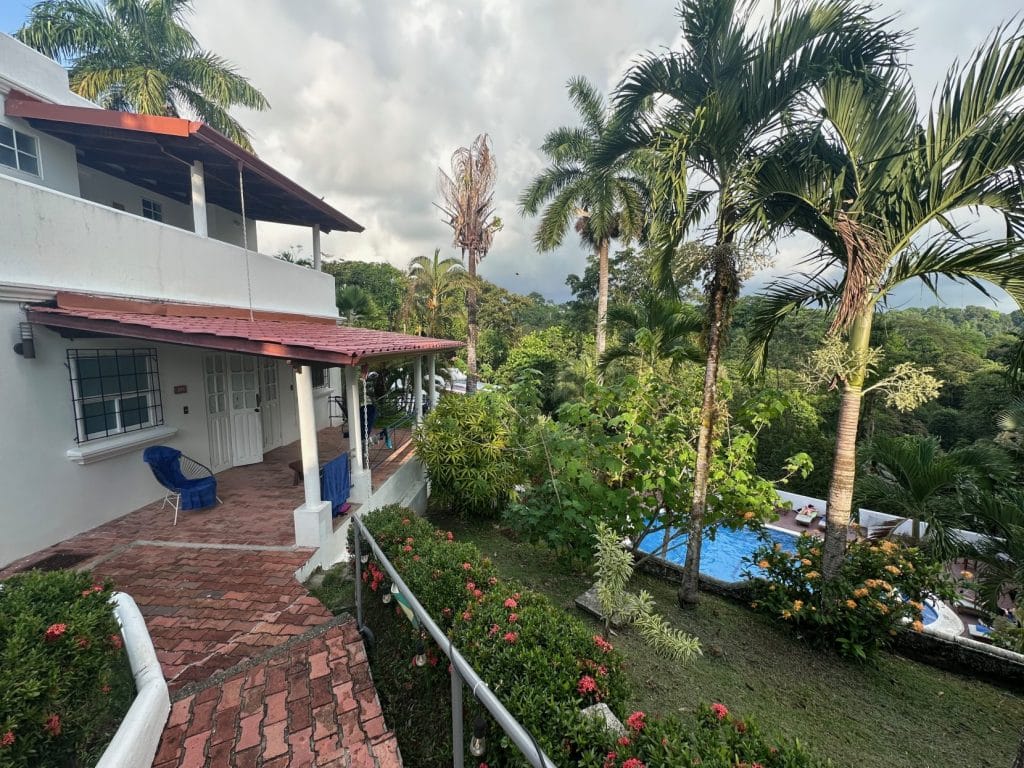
105	688
52	725
54	631
636	721
511	637
719	710
116	641
450	536
7	739
513	617
467	566
510	603
493	580
82	642
467	615
586	685
406	521
633	762
603	644
407	548
609	761
623	741
92	590
493	630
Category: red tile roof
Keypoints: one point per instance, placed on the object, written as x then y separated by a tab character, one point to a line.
295	337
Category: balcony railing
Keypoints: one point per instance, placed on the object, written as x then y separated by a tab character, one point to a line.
462	673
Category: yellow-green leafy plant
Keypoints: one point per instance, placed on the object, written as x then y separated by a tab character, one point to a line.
614	570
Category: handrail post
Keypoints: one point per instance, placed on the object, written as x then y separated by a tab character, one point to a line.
359	579
458	758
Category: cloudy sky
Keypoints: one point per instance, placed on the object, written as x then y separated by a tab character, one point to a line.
370	97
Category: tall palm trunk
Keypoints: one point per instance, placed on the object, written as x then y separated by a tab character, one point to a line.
721	293
471	330
844	467
602	297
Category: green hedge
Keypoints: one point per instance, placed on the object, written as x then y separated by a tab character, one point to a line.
543	664
65	682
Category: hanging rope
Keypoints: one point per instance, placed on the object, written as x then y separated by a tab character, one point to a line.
245	237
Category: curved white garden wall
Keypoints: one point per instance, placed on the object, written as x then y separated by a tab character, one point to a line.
135	743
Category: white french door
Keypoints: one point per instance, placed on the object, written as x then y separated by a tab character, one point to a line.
218	418
270	403
244	407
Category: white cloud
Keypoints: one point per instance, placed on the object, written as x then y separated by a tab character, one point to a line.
369	97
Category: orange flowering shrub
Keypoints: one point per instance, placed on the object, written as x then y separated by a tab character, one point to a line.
879	590
65	683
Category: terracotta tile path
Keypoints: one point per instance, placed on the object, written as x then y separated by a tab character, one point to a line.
260	673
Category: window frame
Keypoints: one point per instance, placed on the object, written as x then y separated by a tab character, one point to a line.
18	152
155	212
153	410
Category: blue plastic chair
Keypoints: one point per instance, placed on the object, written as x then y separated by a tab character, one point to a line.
189	484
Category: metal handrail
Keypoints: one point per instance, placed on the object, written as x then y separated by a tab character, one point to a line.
462	673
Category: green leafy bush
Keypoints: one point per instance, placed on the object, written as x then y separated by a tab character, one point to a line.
879	591
544	665
65	683
469	446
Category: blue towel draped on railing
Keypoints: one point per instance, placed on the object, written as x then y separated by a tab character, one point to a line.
336	482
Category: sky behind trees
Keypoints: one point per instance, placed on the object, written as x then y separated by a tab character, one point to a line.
368	98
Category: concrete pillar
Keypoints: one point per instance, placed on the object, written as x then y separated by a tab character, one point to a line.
316	247
361	486
312	519
198	175
431	383
417	388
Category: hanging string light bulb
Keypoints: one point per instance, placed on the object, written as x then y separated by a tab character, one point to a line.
386	594
420	660
364	558
478	743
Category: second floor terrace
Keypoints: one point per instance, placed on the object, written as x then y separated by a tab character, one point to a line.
148	206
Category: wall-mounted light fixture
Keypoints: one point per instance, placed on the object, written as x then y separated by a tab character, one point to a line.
27	346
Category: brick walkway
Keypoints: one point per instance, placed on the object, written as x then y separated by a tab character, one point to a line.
309	703
260	673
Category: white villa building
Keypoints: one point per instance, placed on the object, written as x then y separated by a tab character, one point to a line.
135	309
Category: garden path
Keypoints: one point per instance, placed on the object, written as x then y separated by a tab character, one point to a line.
260	673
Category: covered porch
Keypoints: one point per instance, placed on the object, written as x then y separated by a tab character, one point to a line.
305	342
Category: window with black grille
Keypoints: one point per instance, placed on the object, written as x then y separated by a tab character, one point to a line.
320	379
114	391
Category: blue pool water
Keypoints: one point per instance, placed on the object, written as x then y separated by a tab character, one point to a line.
722	558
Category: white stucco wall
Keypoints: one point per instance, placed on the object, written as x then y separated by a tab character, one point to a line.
28	70
55	240
48	497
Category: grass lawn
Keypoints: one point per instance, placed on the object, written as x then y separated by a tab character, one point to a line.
898	714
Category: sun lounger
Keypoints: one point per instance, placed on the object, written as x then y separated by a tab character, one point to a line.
806	518
979	631
969	605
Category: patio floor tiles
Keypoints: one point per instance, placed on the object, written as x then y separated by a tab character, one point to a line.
210	609
285	711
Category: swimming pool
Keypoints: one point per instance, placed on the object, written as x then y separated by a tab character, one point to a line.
722	558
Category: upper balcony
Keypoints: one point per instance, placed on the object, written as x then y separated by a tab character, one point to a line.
167	210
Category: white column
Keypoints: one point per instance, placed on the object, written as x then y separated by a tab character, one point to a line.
316	247
312	519
431	383
198	175
417	388
361	487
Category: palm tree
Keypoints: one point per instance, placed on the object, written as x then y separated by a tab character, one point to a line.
655	329
355	304
138	56
606	199
467	199
913	477
705	112
892	198
434	282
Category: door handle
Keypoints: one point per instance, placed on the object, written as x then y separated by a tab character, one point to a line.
257	410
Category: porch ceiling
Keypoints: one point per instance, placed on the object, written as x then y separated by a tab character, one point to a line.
300	338
152	151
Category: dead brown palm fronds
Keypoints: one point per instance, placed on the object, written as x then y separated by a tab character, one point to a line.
866	260
467	201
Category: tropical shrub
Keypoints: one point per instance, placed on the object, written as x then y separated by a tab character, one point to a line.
880	590
65	683
541	355
544	665
613	571
624	454
470	448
